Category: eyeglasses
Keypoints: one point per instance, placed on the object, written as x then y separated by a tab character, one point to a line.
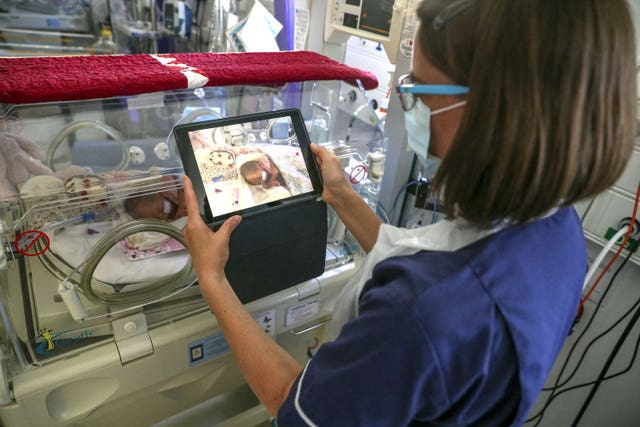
407	91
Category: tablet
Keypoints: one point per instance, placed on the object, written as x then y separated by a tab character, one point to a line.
245	164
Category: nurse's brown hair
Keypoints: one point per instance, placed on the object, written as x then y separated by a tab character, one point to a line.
551	111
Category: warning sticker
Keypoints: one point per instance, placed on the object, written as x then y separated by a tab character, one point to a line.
302	312
25	243
357	174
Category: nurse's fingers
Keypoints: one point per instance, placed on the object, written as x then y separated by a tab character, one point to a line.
193	210
321	153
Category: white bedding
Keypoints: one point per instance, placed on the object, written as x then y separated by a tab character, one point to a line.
75	242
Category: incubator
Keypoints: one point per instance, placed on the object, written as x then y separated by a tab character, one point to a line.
102	318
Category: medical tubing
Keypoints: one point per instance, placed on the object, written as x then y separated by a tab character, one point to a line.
622	246
152	289
352	120
189	118
434	213
398	194
269	131
81	124
383	213
606	366
12	336
404	199
372	111
602	254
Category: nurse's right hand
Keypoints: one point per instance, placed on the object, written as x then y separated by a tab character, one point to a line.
336	187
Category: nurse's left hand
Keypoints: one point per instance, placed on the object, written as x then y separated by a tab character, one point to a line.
209	250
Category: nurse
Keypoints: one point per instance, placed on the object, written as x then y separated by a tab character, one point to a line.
530	106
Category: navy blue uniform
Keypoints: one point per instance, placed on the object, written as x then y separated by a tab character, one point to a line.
451	338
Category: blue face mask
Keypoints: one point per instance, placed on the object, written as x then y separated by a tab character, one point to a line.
418	125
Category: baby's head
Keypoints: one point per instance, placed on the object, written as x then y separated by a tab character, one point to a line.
252	172
152	206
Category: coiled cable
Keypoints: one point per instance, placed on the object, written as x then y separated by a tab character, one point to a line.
91	124
151	289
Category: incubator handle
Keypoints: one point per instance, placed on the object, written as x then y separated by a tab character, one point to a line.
82	124
321	322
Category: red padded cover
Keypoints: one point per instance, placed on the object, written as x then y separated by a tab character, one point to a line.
68	78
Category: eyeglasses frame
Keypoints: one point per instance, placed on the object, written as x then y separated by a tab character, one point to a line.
403	89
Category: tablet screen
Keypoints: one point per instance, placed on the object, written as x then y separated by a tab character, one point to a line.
246	163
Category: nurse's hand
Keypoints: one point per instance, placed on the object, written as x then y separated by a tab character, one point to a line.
335	184
209	250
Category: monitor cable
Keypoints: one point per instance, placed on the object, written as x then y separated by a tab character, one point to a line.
558	384
607	365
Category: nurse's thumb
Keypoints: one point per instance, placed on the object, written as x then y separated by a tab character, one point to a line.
229	225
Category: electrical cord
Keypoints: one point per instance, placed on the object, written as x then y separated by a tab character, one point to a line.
559	384
595	312
607	365
605	250
434	213
581	306
617	374
398	194
622	246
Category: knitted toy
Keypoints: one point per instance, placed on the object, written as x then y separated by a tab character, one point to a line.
20	159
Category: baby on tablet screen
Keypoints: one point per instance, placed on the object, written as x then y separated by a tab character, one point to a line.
262	172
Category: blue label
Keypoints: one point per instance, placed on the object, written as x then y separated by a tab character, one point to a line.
207	348
53	23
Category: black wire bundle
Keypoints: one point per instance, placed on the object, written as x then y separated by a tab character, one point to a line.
607	364
558	384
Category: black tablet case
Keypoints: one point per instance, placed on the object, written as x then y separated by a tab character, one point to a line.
277	248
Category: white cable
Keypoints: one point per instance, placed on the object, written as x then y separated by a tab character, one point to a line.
111	313
596	263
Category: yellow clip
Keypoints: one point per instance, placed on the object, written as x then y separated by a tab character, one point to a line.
46	334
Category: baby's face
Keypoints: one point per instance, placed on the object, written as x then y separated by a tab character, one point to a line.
158	207
255	177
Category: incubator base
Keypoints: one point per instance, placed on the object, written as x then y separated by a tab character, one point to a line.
189	369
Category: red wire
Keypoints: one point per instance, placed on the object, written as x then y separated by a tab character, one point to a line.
618	252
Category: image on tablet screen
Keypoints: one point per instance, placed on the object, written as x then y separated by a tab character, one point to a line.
250	164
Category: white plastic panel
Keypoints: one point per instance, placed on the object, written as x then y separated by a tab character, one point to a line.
631	175
582	207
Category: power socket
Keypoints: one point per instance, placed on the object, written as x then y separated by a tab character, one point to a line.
632	243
